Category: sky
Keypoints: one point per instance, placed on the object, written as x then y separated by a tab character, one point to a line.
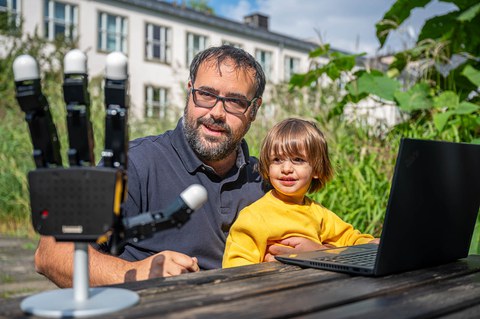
347	25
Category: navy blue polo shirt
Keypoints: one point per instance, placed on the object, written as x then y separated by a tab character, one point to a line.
159	169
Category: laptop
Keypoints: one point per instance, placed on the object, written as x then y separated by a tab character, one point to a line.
430	218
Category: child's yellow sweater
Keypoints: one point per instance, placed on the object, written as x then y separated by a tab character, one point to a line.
270	220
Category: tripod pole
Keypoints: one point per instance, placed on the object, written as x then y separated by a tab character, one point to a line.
80	272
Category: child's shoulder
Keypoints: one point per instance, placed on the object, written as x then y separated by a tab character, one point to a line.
317	206
260	206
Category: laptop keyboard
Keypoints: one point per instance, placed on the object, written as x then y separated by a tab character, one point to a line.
364	259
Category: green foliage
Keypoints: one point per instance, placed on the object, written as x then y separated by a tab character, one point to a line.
434	85
374	83
394	17
472	74
8	25
16	152
443	41
446	58
201	5
363	167
14	203
337	64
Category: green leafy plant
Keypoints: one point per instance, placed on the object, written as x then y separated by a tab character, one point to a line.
435	87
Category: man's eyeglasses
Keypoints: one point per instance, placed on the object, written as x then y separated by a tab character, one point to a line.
232	105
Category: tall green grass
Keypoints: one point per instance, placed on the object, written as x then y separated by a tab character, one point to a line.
363	168
15	154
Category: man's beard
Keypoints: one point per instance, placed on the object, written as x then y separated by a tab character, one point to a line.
210	148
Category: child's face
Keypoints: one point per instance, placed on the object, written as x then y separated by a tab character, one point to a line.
290	176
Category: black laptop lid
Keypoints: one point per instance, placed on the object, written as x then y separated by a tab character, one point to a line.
433	205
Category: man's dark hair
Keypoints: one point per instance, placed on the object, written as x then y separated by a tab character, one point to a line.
243	60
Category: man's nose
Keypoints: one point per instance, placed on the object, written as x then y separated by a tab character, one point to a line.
218	110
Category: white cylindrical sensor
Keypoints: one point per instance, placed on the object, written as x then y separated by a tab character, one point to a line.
116	66
25	67
194	196
75	62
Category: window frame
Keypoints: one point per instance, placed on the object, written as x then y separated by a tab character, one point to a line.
265	58
290	67
69	22
153	108
120	34
192	51
164	43
13	11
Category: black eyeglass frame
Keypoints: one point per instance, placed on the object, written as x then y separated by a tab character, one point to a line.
223	99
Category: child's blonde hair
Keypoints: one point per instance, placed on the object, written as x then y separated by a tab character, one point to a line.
292	137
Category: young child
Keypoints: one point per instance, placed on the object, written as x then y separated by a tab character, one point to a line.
294	160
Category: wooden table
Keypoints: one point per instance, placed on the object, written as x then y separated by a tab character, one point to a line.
274	290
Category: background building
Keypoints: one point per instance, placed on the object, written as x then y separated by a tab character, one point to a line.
159	39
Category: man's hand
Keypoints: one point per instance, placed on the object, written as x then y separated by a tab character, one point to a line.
164	264
293	245
55	259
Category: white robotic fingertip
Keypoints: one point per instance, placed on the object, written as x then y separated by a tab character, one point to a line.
116	66
194	196
75	62
25	67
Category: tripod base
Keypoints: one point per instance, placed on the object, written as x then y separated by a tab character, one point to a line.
61	303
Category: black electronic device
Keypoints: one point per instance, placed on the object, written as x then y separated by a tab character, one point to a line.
46	146
116	107
75	204
77	99
82	203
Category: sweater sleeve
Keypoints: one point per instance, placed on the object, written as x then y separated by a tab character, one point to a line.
337	232
247	241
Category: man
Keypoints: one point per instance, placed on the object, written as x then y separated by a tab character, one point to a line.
207	147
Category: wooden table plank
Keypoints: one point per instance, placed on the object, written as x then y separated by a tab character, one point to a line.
472	312
210	276
274	290
310	298
432	300
220	292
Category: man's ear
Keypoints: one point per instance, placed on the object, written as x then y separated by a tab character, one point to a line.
189	85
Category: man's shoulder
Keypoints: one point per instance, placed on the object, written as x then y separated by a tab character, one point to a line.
149	145
147	141
253	160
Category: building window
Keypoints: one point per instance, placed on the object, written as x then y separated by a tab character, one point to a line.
158	43
265	60
195	44
9	15
61	19
156	102
112	33
291	67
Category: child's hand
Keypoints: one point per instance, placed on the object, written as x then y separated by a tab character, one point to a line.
293	245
